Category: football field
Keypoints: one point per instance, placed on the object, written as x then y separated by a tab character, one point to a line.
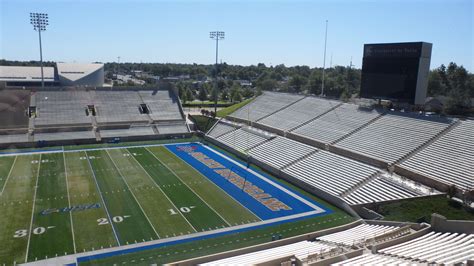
60	203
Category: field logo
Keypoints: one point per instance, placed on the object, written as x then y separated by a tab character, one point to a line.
249	188
187	148
71	209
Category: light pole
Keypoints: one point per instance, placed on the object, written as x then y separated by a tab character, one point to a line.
324	60
39	22
216	35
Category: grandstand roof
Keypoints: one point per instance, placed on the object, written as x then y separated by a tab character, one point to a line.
25	73
75	71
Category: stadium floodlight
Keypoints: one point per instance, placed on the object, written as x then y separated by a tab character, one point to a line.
216	35
39	22
324	60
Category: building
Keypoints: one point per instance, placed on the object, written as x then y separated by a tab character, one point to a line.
63	74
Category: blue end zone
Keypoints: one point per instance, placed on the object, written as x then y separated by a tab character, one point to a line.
185	151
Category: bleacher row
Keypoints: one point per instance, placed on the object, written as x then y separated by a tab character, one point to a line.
434	248
56	108
434	147
354	181
431	248
78	114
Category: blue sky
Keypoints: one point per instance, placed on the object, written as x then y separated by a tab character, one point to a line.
272	32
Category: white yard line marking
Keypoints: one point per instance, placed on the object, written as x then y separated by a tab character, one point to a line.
8	176
280	187
33	210
219	188
131	191
69	203
102	198
158	186
188	186
90	149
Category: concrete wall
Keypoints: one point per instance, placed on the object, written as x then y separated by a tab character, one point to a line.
422	179
440	223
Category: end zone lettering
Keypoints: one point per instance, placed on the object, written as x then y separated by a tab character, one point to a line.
71	209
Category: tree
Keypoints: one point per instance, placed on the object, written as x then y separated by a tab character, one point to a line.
225	95
202	96
235	94
189	95
297	82
268	85
247	92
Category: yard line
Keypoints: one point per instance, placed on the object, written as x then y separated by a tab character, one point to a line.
8	176
102	198
131	191
33	210
69	203
188	186
172	203
220	188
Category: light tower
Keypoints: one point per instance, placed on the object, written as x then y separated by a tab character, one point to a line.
39	22
324	60
216	35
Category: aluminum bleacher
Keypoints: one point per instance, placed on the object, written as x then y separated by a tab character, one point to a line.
242	139
264	105
220	129
64	135
62	108
380	189
337	123
172	127
280	152
118	107
435	248
373	259
331	172
127	132
300	250
357	235
163	105
13	106
393	136
449	159
298	113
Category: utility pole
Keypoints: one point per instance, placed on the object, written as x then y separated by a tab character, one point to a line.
216	35
324	60
39	22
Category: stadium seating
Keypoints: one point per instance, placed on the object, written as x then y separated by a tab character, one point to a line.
331	172
64	135
118	107
380	189
373	259
435	248
162	103
127	132
298	113
220	129
242	139
13	138
172	127
357	235
449	159
13	107
337	123
264	105
300	250
393	136
280	152
61	108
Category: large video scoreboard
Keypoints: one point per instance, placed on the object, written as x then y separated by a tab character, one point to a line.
396	71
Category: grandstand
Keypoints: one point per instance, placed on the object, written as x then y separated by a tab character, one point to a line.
87	116
298	113
393	136
357	235
266	105
337	123
449	159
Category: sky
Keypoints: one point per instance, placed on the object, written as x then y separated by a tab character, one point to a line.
261	31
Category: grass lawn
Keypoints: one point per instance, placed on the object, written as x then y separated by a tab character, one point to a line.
204	123
412	210
227	111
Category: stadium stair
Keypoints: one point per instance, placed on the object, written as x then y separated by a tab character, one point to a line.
427	143
258	144
155	130
359	185
357	129
298	160
314	118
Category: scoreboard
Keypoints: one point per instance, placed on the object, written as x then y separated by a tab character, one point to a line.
396	71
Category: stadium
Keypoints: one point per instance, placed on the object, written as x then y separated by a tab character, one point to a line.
114	176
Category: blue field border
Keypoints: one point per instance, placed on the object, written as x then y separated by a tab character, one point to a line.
294	201
181	241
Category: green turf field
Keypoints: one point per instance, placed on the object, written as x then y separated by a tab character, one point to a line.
117	197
